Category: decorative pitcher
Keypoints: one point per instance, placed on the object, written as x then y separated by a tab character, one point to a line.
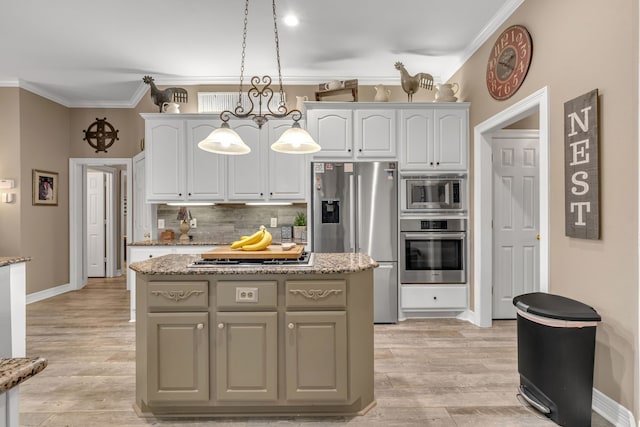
170	107
300	102
446	92
382	93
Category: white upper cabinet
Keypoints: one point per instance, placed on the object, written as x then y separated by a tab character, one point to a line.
434	139
333	130
165	157
288	176
176	169
247	171
375	133
206	172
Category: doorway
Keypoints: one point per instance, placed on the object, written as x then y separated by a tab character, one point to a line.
483	274
516	206
78	270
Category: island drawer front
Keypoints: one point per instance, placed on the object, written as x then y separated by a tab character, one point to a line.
316	293
247	295
174	296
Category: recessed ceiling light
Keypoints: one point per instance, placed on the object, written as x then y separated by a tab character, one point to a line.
291	20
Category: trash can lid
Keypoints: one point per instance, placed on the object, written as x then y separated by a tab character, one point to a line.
555	307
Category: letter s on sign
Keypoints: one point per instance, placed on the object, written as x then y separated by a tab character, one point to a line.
575	179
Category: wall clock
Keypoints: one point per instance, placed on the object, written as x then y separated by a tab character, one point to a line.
509	62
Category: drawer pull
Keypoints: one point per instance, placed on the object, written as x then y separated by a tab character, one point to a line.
177	295
291	326
200	326
315	294
220	325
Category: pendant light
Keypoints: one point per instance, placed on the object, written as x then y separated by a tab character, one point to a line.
225	140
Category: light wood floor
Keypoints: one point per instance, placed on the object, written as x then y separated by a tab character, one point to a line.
428	373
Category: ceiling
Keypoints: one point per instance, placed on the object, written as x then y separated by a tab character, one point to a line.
86	54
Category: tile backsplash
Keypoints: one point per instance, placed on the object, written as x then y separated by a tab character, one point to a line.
227	222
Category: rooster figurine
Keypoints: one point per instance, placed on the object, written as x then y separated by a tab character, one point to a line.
410	84
171	94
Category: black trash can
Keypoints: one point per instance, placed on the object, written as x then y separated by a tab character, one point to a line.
556	347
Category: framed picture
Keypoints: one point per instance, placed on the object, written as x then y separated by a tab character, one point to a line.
45	188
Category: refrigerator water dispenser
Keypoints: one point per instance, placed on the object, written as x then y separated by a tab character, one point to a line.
330	211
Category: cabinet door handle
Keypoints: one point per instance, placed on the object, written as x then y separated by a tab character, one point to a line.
437	163
360	150
291	326
349	150
220	325
435	298
150	256
431	163
189	193
179	194
200	326
262	194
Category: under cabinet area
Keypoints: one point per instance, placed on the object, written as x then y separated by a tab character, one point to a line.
273	344
177	170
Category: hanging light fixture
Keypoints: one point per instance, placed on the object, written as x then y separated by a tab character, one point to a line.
225	140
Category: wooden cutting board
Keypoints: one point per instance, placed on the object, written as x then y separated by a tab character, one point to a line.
272	251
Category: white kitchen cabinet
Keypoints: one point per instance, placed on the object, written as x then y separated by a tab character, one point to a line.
264	174
246	171
375	133
332	128
176	169
418	298
164	148
434	139
206	172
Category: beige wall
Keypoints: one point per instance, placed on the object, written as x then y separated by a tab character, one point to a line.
44	230
580	45
10	169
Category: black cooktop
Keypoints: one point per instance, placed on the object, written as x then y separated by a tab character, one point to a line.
304	259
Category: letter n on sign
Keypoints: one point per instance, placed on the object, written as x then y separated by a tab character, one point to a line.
582	196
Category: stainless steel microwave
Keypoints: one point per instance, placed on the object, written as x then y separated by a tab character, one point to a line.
433	193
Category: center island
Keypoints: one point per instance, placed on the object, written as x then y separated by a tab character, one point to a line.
254	340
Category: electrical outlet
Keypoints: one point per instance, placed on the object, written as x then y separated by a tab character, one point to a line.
274	222
193	223
246	294
161	224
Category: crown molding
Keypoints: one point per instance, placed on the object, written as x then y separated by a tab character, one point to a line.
485	34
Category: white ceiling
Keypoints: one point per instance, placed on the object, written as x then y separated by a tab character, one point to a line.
83	53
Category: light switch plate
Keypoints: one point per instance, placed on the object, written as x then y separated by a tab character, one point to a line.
161	224
193	223
274	222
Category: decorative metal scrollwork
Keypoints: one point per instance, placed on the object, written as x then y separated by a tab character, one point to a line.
177	295
315	294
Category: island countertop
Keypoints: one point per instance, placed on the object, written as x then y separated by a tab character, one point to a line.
323	263
6	260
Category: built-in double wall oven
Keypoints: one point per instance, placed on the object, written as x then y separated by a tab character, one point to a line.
433	250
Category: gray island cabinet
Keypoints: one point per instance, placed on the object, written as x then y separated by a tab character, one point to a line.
263	340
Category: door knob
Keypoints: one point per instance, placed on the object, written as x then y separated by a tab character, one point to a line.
537	237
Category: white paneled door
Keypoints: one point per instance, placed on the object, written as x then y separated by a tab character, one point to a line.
95	225
516	254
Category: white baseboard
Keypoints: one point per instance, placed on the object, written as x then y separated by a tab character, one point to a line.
611	410
48	293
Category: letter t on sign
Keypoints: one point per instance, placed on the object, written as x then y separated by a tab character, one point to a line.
581	188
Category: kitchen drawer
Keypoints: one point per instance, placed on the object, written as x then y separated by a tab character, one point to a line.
316	293
247	295
178	296
433	297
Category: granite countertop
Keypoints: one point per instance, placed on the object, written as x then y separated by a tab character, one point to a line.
6	260
323	263
17	370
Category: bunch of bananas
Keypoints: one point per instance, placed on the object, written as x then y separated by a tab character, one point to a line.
258	241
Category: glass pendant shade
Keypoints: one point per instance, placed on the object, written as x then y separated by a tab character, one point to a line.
224	140
295	141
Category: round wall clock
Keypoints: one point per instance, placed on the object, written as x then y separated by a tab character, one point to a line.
509	62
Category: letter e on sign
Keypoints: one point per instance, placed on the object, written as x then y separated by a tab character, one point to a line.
581	188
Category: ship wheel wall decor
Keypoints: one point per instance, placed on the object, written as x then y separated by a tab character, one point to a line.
100	135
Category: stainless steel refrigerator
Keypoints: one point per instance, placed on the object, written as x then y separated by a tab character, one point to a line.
354	208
